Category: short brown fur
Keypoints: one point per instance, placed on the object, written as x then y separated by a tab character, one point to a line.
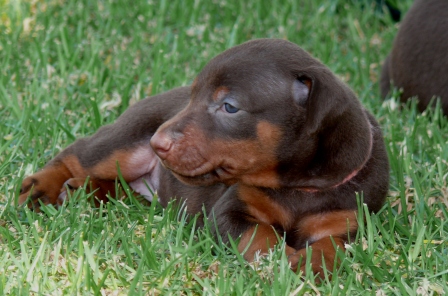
281	153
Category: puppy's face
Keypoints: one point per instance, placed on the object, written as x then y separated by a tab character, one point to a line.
234	123
247	119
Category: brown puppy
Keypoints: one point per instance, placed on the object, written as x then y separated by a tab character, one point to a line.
271	143
418	62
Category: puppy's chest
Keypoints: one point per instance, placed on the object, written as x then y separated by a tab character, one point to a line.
283	212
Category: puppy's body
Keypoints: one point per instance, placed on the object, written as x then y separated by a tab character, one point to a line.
271	143
418	62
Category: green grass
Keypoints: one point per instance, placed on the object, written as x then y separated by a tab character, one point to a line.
68	67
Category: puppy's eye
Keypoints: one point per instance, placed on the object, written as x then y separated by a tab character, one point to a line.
230	108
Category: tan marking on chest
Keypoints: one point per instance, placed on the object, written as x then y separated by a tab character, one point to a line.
263	208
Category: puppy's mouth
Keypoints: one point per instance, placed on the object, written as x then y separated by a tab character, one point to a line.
216	175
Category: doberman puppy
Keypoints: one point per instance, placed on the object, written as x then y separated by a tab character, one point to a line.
268	140
418	62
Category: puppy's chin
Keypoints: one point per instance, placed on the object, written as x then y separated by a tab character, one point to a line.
217	175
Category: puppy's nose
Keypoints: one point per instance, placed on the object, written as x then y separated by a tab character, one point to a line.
161	143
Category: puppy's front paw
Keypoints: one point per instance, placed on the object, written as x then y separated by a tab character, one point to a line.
71	185
322	256
42	187
295	261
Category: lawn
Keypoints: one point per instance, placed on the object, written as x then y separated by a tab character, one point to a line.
68	67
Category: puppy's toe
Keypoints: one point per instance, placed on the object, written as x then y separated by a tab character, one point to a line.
295	260
33	198
71	185
27	184
317	261
31	193
40	188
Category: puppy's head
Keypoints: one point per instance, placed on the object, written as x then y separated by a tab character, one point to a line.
267	114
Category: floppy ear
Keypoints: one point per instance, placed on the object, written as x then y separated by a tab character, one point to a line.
336	139
329	98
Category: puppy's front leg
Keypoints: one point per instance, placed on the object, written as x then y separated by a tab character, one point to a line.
260	239
71	168
324	232
323	251
245	212
44	185
124	144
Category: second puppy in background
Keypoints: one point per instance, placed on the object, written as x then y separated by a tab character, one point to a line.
418	62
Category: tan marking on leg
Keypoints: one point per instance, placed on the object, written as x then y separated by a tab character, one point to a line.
265	238
44	185
322	225
74	166
133	163
323	250
321	230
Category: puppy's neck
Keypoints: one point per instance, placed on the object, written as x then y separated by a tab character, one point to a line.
348	177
